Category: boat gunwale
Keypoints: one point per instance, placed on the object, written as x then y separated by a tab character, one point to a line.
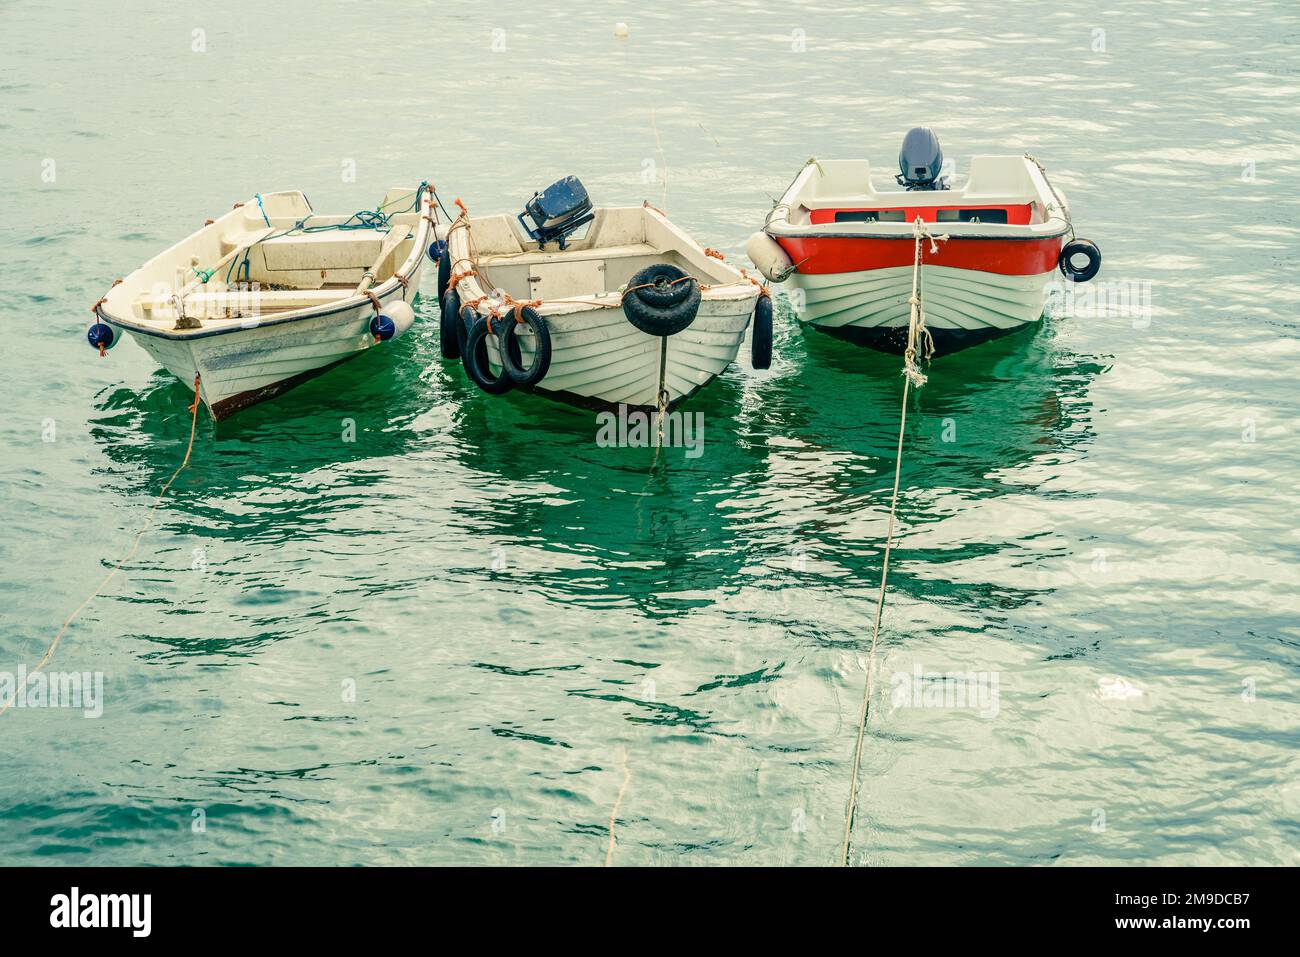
798	232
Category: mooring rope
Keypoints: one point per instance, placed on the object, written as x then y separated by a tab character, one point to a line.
613	813
918	339
49	652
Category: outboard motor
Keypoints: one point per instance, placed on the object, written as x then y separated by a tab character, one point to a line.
921	160
558	212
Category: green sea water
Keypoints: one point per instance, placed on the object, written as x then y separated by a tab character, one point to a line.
471	634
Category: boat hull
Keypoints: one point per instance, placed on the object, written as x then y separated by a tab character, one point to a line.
964	306
257	301
600	360
241	367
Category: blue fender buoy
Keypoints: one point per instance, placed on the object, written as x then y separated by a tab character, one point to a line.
392	320
101	336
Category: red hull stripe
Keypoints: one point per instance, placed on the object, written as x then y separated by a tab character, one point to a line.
1007	257
1017	215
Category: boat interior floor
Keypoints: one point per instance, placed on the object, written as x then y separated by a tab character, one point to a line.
555	274
265	274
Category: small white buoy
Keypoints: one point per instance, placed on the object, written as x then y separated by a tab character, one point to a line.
1115	688
621	31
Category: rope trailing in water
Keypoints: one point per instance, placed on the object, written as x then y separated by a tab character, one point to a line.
613	814
918	340
49	652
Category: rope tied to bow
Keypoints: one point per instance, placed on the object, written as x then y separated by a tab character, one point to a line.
919	341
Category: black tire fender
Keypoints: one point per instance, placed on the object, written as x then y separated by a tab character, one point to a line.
661	286
449	340
444	273
1079	247
468	316
512	358
668	304
475	359
760	344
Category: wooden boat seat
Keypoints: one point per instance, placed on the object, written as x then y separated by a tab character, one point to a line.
573	255
351	249
270	300
244	302
555	274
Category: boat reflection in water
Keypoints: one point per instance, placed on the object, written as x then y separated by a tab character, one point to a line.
795	466
287	508
472	498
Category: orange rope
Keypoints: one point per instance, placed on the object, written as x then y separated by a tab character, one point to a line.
763	288
49	652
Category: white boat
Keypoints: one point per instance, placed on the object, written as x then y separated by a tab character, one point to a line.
631	310
272	294
993	245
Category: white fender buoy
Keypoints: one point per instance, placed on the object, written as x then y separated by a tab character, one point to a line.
766	253
621	31
400	313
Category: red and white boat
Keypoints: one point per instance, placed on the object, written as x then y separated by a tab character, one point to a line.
850	249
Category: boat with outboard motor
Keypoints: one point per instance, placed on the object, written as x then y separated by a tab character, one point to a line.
273	293
993	245
594	306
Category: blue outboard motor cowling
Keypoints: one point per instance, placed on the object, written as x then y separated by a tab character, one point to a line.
920	160
563	208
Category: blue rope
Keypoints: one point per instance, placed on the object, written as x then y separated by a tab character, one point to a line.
440	206
261	207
